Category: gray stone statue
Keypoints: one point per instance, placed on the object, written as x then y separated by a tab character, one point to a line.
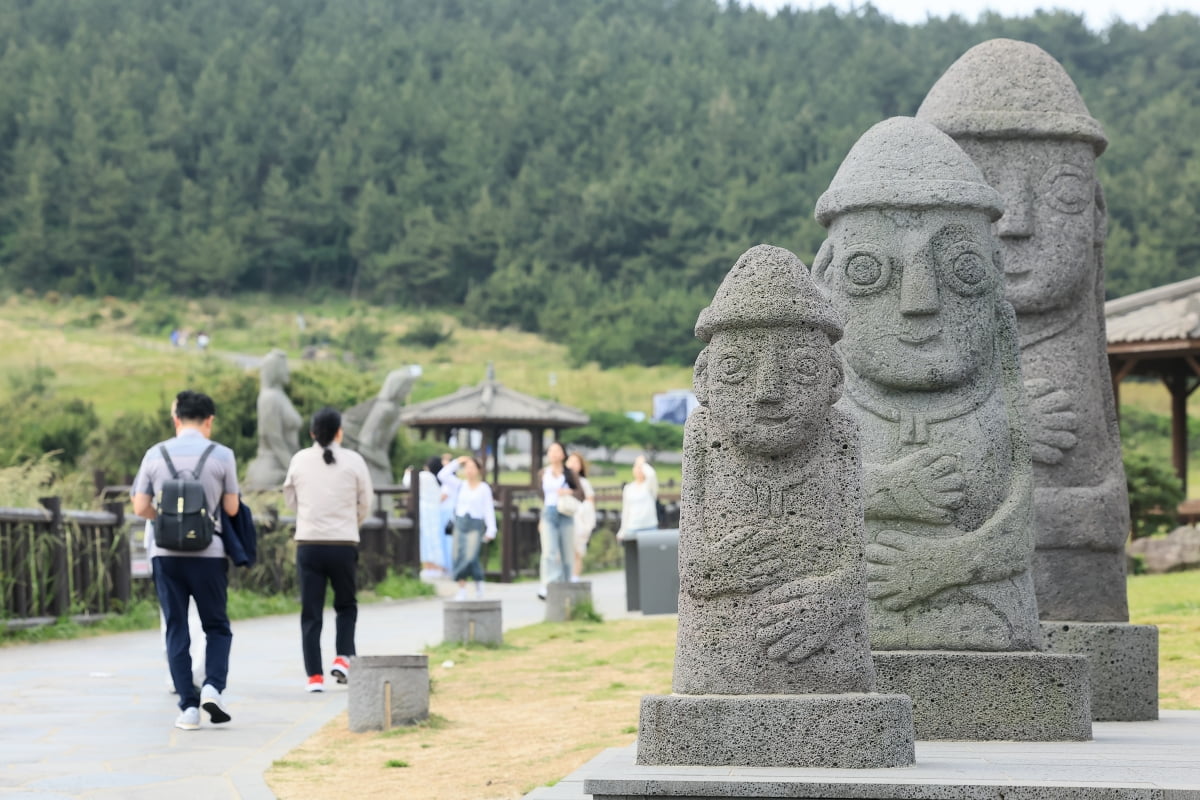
933	379
773	663
1018	115
371	427
278	426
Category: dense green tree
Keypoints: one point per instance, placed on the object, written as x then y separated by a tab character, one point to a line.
587	170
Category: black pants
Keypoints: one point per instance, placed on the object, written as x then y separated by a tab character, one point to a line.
316	564
206	579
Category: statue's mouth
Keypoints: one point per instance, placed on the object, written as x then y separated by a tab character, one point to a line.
920	338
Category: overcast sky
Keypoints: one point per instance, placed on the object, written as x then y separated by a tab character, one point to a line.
1097	13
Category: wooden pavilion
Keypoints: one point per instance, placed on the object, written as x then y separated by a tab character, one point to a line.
1157	333
492	408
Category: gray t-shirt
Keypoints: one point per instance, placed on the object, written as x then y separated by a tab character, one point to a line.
219	478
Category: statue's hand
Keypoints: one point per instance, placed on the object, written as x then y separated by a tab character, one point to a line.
1052	421
744	560
926	485
903	569
800	617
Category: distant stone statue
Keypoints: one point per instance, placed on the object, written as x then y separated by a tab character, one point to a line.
933	379
278	426
773	663
1017	113
371	427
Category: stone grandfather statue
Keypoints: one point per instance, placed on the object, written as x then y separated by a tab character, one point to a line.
1018	115
933	379
371	427
773	663
278	426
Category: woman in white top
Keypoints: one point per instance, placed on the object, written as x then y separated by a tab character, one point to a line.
330	488
474	519
585	517
639	501
432	526
557	530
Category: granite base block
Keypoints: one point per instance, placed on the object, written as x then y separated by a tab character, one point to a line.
472	621
1125	761
975	696
849	731
376	680
1124	665
563	596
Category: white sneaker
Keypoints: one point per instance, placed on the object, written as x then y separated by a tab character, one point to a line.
188	719
210	700
479	591
461	594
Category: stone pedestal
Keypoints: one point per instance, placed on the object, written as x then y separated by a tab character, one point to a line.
386	691
472	621
846	731
980	696
563	596
1124	665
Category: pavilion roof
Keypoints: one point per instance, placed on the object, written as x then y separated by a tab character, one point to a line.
494	404
1165	313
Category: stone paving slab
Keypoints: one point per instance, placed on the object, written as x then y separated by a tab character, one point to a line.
1158	760
93	717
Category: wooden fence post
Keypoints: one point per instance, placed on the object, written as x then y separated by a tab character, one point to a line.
122	566
61	605
508	533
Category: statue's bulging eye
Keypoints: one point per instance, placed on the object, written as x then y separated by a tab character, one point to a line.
1066	188
807	368
970	269
864	270
731	369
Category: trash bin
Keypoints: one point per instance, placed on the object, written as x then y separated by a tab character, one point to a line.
630	550
658	571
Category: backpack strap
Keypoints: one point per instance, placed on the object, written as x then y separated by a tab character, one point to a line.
203	458
170	465
199	464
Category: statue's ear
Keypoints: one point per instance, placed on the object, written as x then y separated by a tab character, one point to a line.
700	377
824	259
839	379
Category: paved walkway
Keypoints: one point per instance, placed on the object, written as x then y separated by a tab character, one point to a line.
93	718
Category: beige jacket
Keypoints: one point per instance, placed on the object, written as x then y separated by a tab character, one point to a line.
331	500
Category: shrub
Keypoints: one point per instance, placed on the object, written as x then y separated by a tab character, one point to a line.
1154	494
427	333
362	339
116	449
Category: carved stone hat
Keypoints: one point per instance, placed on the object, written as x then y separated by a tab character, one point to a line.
768	287
1005	89
907	163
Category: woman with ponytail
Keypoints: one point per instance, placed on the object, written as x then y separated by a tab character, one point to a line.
330	489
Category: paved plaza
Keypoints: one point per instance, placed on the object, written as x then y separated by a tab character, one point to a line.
93	718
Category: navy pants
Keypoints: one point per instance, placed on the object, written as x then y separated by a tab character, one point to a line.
176	578
317	564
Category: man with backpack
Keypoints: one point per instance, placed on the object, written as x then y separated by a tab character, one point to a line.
182	485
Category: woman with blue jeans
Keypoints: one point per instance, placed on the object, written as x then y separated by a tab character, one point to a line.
557	529
474	519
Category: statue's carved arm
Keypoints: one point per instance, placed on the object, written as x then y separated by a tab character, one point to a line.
802	615
925	486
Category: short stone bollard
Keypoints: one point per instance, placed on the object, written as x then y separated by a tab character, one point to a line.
386	691
562	597
467	621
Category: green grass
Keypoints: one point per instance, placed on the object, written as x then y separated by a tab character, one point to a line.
1172	602
396	587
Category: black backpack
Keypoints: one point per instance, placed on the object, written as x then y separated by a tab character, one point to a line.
183	521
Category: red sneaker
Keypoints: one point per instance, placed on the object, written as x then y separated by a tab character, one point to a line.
340	669
316	683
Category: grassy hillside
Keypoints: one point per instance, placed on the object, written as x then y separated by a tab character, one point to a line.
117	354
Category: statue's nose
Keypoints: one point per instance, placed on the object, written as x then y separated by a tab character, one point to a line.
1017	222
768	379
918	286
